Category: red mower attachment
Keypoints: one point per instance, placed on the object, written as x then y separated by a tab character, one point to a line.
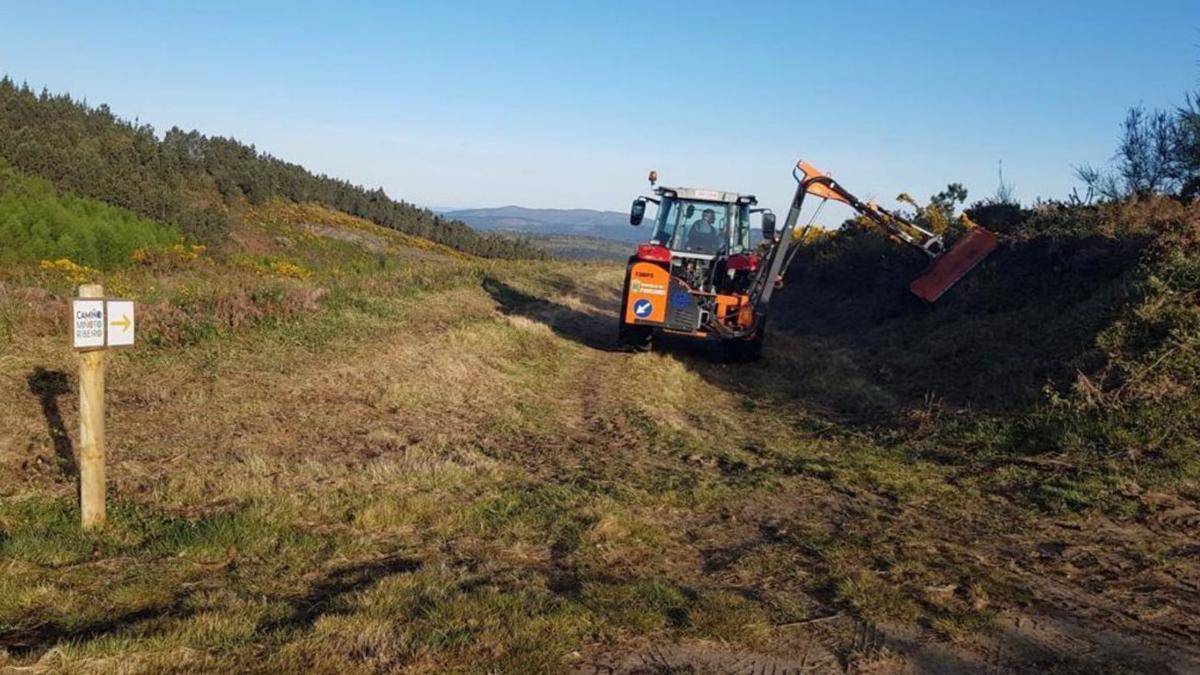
947	267
954	264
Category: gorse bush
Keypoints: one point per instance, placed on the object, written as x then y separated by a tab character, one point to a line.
938	215
38	223
1153	352
1132	422
1079	339
166	258
69	271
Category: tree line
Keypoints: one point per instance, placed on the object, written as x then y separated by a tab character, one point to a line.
192	180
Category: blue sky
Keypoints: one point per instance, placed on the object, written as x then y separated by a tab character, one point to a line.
569	104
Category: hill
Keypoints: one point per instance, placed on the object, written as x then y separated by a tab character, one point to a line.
569	222
582	234
197	183
893	486
581	247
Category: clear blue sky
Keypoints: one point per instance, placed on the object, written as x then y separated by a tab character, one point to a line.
568	104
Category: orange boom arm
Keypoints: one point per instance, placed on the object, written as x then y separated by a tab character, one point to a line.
947	267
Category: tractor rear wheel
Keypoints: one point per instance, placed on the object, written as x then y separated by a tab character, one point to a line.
638	338
744	350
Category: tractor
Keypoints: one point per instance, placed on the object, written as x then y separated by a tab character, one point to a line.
701	277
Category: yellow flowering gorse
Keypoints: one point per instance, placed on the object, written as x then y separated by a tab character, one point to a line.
71	271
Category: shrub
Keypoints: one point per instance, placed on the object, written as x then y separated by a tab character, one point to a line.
39	223
289	269
69	271
166	258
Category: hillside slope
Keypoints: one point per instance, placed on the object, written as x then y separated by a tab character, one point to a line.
198	183
38	222
1077	343
544	222
343	452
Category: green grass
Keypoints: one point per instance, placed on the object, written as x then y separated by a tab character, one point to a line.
422	462
48	533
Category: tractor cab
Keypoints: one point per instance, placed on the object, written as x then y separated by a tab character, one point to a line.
702	223
690	276
701	236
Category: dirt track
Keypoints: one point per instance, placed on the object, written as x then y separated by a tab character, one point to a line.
702	475
1083	604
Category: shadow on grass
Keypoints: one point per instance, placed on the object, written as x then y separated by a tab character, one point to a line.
26	641
48	385
597	331
322	598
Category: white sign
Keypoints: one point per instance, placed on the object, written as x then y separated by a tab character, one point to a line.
102	323
88	319
120	323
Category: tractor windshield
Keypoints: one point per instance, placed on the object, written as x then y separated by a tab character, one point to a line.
695	226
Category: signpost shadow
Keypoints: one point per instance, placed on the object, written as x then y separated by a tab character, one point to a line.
48	385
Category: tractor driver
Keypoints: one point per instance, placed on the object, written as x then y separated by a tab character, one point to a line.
703	235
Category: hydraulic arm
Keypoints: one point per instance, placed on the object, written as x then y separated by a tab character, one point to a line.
946	268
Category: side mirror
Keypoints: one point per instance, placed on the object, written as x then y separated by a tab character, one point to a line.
768	226
637	211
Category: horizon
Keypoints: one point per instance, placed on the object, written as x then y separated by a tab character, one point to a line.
461	107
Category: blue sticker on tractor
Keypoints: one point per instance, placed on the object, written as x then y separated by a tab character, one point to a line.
642	308
680	299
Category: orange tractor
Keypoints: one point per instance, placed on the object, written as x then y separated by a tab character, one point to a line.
700	277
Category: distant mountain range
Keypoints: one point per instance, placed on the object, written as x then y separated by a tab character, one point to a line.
542	222
567	233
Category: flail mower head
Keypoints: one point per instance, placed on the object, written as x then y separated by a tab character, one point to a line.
947	266
953	264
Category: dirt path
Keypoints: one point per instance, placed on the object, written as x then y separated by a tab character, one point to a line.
1084	605
681	514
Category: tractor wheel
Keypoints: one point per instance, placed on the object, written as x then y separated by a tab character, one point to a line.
744	351
638	338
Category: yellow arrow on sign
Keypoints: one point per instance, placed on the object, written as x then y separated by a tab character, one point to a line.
124	323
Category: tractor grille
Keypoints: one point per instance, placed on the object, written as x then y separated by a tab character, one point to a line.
683	314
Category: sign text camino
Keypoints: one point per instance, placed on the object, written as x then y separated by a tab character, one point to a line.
101	323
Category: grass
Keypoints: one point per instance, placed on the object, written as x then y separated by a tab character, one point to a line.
581	247
337	452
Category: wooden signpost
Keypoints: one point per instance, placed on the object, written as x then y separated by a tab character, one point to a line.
98	324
